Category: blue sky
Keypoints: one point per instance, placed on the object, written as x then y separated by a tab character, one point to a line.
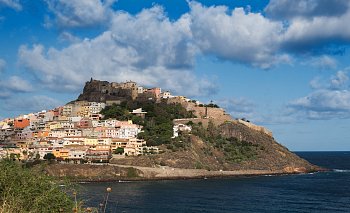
279	63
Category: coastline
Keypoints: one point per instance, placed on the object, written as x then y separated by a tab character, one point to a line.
113	172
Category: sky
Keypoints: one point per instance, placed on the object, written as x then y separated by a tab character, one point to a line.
281	64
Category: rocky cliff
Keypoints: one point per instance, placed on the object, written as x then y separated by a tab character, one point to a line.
261	152
102	91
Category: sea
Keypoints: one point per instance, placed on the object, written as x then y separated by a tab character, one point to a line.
315	192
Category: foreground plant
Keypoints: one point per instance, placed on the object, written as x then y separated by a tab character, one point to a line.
22	190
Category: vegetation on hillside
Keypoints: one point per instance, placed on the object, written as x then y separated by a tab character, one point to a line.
158	122
158	129
22	190
235	150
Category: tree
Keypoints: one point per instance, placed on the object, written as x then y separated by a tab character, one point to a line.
119	150
30	155
37	156
13	156
49	157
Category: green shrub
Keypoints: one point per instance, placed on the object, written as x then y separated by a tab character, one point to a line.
23	190
132	173
235	150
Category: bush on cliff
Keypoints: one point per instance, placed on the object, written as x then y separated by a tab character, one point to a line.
234	149
22	190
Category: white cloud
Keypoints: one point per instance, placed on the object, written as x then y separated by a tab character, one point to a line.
323	62
15	84
237	36
80	13
306	35
4	94
31	104
312	26
14	4
324	104
331	100
154	38
339	81
147	48
286	9
2	65
68	37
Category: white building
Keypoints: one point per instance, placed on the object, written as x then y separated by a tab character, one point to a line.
166	95
96	107
180	128
129	131
112	132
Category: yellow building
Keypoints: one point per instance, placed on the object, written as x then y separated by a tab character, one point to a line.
119	142
61	153
90	141
55	125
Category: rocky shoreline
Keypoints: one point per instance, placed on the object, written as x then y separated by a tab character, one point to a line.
106	173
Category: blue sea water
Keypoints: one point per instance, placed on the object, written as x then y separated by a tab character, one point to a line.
317	192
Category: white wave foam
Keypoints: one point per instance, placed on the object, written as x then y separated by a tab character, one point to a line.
341	170
124	181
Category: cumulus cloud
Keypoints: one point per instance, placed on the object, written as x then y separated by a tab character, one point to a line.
2	65
312	26
16	84
153	50
14	4
339	81
317	26
324	104
155	38
323	62
312	35
331	100
68	37
237	35
31	104
147	48
286	9
85	13
4	94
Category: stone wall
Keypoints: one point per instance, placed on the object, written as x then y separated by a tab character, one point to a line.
255	127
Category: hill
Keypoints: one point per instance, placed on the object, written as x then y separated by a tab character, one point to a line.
216	140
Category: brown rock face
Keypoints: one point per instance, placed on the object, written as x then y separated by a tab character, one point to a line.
102	91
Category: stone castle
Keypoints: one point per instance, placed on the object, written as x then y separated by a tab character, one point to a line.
103	91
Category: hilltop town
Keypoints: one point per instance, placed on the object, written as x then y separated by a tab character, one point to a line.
127	124
77	132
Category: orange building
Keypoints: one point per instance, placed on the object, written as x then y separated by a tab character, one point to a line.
156	91
21	123
40	134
